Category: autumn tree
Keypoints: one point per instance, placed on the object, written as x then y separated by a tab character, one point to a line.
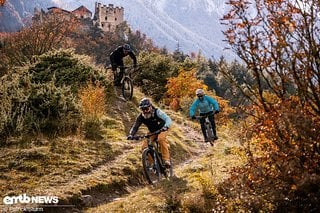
100	44
140	41
20	48
154	72
278	40
181	93
183	87
89	42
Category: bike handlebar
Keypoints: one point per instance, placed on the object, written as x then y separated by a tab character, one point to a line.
139	137
204	116
199	117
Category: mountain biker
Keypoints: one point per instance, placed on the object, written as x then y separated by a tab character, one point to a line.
116	59
207	106
154	119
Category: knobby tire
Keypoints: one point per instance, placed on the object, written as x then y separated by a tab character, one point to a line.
151	174
210	133
127	88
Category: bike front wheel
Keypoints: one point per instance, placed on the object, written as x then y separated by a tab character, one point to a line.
150	166
209	131
127	88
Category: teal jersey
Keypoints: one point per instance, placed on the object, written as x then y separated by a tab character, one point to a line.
208	104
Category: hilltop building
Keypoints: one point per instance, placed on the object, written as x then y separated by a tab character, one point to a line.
82	13
105	17
55	12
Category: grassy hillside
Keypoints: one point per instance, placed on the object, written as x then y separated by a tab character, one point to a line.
93	173
192	189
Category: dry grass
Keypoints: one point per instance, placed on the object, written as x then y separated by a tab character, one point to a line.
53	162
194	185
93	101
109	169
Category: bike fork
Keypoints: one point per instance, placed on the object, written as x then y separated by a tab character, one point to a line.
155	161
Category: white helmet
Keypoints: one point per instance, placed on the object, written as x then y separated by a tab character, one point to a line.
199	92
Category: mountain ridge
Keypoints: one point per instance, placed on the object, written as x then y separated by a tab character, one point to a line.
173	24
192	26
15	14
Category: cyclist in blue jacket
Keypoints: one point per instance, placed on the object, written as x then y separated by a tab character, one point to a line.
207	106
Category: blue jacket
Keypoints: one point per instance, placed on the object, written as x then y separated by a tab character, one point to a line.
208	104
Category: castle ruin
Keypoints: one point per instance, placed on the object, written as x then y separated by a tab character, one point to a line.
107	17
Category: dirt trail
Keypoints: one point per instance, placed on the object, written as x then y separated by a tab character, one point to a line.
220	171
107	189
102	176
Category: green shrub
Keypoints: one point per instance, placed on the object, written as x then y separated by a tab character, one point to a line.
54	109
14	93
27	107
67	67
43	97
154	72
92	129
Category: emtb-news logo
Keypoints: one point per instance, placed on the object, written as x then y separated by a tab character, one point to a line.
2	2
25	199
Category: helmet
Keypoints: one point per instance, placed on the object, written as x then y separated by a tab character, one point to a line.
199	92
126	47
144	103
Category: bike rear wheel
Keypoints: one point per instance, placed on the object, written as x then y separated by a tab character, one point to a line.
151	169
127	88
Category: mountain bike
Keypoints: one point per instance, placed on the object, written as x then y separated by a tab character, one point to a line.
126	82
152	162
209	130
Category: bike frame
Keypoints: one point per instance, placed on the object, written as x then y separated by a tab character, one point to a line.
209	130
126	81
153	149
127	72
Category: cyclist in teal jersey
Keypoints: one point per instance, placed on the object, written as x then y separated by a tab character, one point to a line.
207	106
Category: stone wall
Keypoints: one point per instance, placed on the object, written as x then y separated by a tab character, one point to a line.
108	17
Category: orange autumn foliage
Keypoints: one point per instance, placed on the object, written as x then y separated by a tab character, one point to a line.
93	101
183	86
181	94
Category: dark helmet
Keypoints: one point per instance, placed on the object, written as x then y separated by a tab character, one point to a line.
126	47
144	103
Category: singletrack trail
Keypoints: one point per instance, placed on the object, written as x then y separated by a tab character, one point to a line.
199	150
122	177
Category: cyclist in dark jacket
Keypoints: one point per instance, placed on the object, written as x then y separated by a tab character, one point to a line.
154	119
116	59
207	106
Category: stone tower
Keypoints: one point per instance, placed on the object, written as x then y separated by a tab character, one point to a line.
107	17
